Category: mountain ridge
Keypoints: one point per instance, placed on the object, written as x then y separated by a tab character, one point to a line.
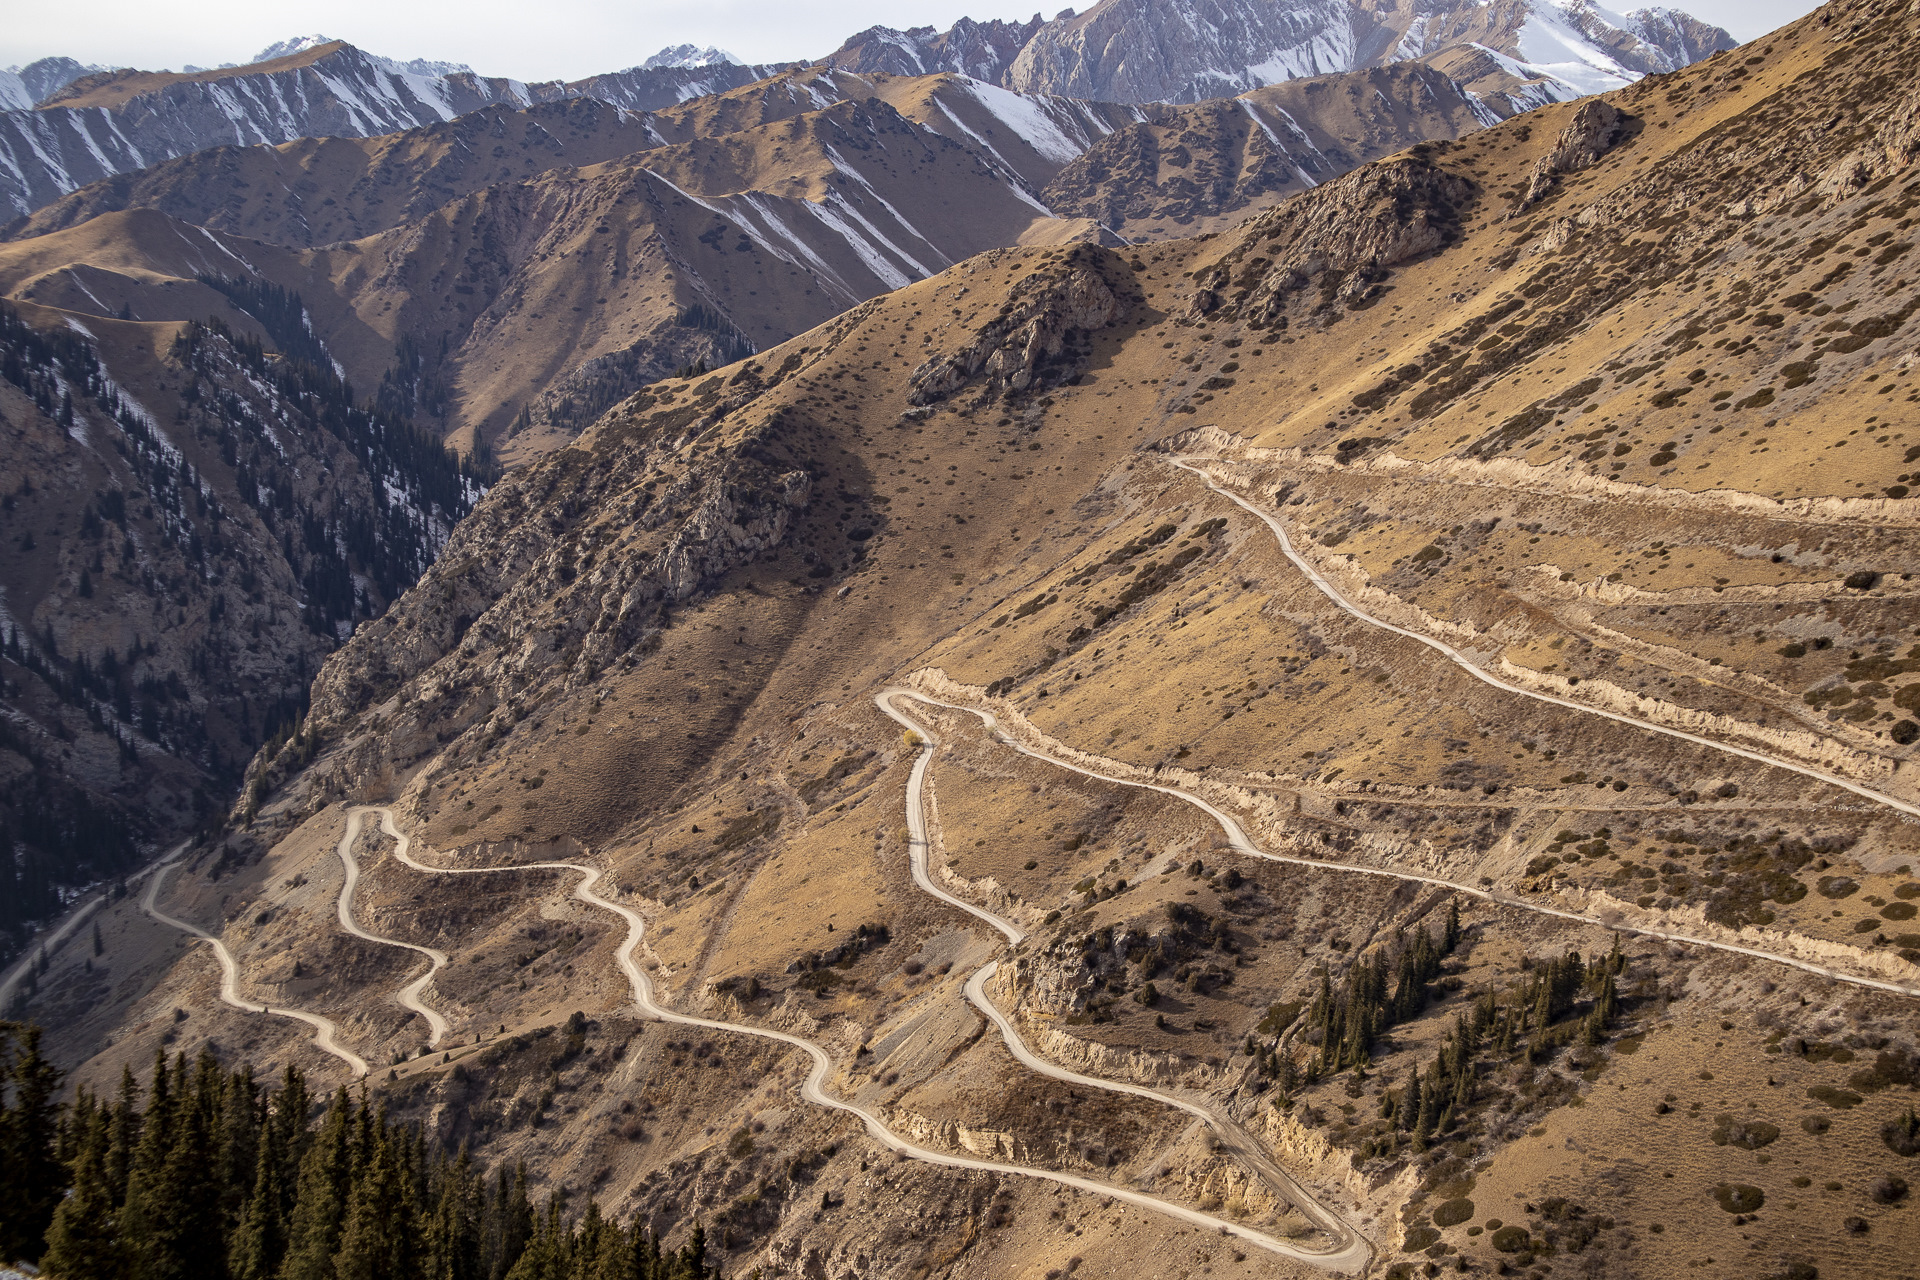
1126	51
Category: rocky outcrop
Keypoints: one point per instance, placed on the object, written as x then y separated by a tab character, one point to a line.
1040	336
1342	238
534	597
1595	127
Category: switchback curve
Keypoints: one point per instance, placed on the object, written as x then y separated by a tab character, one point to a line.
1241	843
409	995
325	1030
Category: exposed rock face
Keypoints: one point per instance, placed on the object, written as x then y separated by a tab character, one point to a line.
1342	236
1594	129
1041	334
1146	51
983	50
517	608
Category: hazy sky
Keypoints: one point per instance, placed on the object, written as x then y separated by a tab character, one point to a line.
538	40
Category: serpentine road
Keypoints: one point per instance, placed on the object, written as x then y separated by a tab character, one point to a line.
1353	1256
409	996
1242	1143
1241	843
1467	664
325	1030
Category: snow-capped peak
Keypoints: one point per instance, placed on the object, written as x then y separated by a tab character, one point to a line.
287	48
686	55
413	66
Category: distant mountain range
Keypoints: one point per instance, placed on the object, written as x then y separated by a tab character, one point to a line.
68	124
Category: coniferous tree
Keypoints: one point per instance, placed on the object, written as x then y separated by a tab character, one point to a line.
260	1240
237	1137
123	1135
509	1224
29	1120
320	1197
85	1241
380	1239
288	1114
453	1233
177	1218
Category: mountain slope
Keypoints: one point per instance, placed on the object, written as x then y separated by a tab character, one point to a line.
21	87
1206	166
982	50
1510	540
1516	54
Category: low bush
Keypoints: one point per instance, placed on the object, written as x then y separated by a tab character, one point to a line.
1453	1213
1511	1239
1749	1135
1887	1189
1738	1197
1839	1099
1901	1134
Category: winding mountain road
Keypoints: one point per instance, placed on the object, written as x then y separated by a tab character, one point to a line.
1467	664
409	995
1352	1257
1353	1250
1241	843
325	1030
44	944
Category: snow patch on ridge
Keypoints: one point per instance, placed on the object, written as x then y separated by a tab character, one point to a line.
1549	44
1024	116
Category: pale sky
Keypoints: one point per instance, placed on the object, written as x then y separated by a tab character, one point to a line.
541	39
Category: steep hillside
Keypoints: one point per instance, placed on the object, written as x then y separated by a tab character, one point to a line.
1420	685
190	529
322	190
